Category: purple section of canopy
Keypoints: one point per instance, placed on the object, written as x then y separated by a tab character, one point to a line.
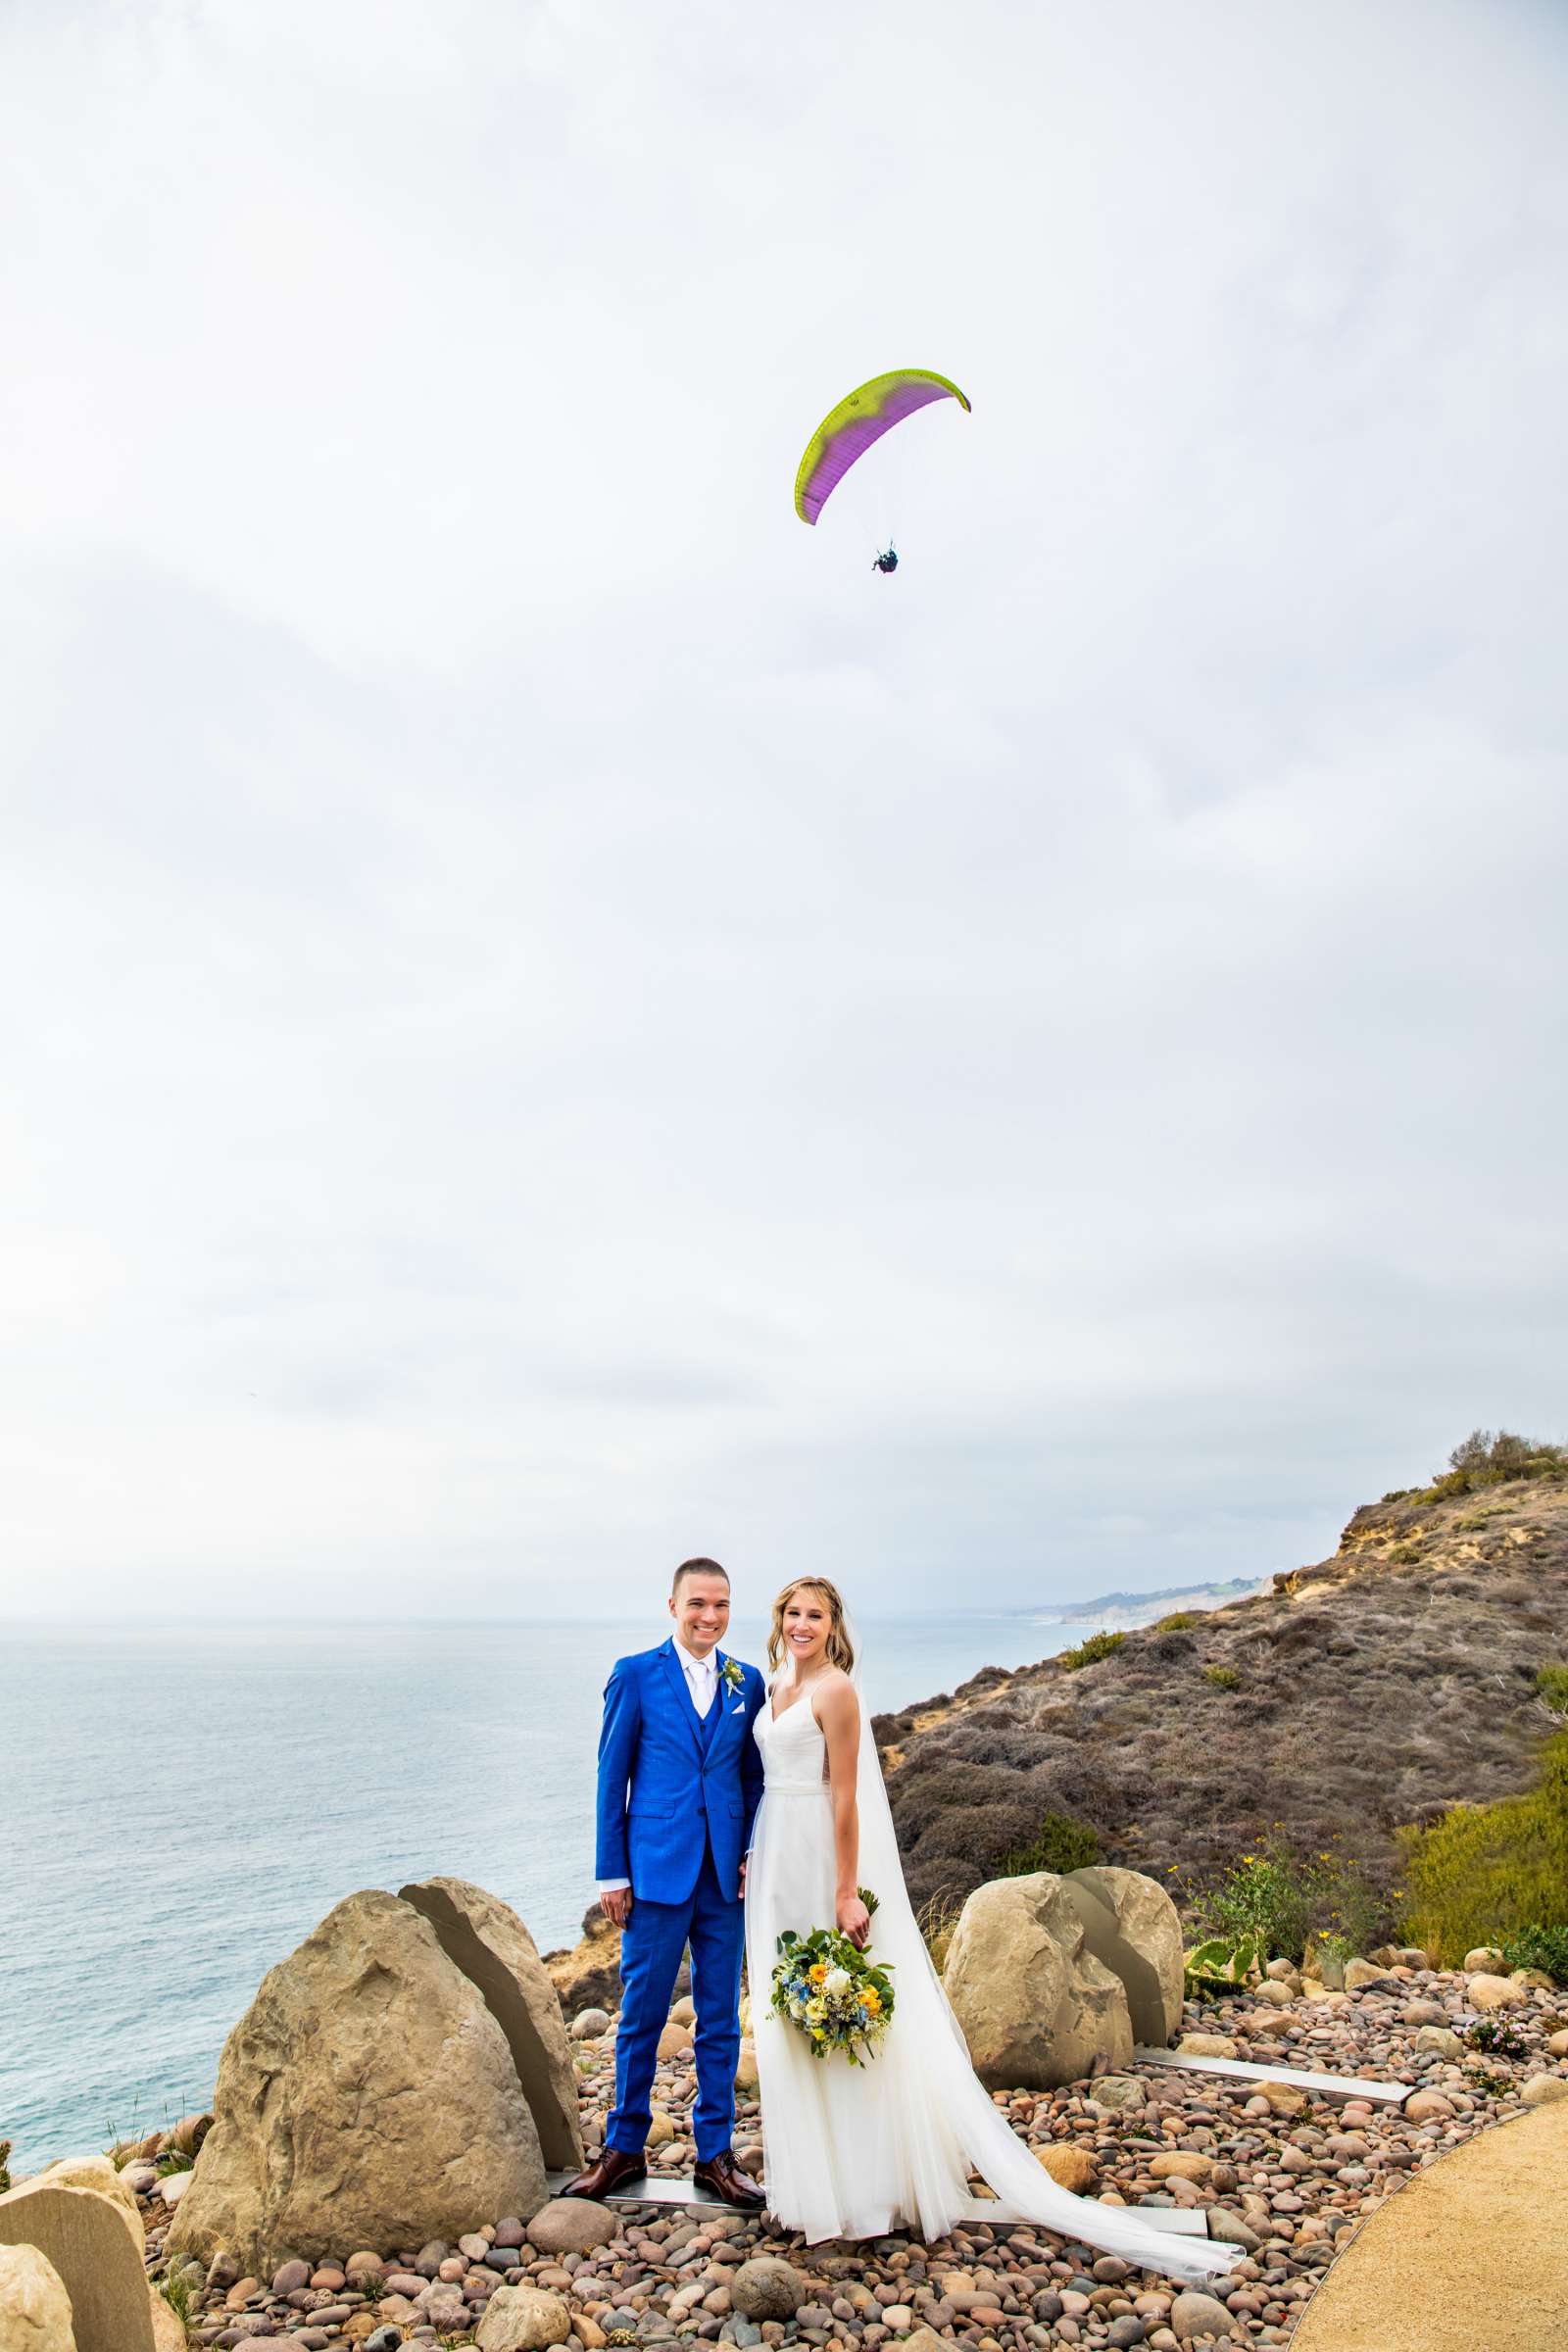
854	439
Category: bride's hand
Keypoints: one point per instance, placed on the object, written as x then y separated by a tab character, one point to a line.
855	1921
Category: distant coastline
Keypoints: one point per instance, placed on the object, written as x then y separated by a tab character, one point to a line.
1115	1610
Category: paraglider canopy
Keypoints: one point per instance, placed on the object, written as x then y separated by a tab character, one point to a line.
861	418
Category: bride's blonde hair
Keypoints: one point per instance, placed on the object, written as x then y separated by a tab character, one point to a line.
840	1652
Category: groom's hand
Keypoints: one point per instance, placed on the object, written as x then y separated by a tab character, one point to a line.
616	1905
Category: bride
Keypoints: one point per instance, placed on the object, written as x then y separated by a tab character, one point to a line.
858	2153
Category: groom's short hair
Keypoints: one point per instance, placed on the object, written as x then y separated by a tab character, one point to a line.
697	1568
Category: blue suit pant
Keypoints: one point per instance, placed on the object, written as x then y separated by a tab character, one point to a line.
655	1936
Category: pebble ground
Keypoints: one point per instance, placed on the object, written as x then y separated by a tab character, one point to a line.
1292	2174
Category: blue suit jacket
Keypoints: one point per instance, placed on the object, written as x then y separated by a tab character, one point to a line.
659	1788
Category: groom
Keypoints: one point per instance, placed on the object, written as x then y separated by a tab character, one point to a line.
679	1780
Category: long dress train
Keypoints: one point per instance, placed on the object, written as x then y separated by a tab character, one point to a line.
856	2152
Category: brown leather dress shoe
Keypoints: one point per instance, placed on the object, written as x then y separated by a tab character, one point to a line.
612	2168
724	2176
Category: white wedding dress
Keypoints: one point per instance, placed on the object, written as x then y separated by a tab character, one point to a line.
859	2151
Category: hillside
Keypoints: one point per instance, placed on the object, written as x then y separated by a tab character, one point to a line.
1372	1689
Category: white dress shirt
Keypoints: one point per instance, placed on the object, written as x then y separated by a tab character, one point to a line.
702	1678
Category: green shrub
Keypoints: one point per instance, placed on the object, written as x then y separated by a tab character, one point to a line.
1496	2037
1285	1900
1064	1844
1488	1458
1180	1621
1097	1646
1535	1947
1403	1553
1481	1872
1223	1678
1551	1685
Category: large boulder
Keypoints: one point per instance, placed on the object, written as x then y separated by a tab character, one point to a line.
35	2307
1134	1928
497	1954
368	2096
1036	2007
88	2239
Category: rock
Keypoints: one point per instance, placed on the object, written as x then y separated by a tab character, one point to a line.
589	1975
1411	1955
927	2339
746	2067
1036	2007
767	2288
327	2124
1133	1927
1533	1979
1181	2164
590	2024
91	2242
363	2265
684	2011
1427	2107
520	2318
675	2041
290	2275
1359	1975
1283	2097
1071	2168
1284	1972
660	2130
96	2172
1441	2039
571	2225
486	1939
1557	2044
172	2188
1277	1994
186	2138
385	2339
1485	1957
1542	2089
1230	2228
1119	2091
1193	2314
1424	2013
1485	1991
1206	2045
35	2307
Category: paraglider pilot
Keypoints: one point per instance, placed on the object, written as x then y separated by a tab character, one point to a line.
888	560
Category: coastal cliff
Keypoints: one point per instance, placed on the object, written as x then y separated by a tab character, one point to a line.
1371	1689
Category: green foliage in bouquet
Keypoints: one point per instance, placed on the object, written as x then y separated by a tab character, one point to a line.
839	1999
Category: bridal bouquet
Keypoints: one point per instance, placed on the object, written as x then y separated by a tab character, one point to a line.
832	1993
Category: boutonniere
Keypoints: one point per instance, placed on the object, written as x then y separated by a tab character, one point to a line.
732	1674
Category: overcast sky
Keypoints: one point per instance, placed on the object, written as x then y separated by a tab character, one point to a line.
552	1019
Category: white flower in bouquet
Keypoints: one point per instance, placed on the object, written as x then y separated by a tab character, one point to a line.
837	1984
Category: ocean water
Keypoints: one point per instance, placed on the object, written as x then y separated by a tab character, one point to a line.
182	1805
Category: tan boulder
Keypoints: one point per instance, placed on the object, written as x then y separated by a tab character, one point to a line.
95	2172
571	2225
1360	1975
1283	2097
1557	2043
487	1940
675	2041
368	2095
1206	2045
660	2130
1133	1927
1532	1979
88	2239
1542	2089
1036	2007
746	2067
1181	2164
684	2011
1070	2168
1484	1959
35	2307
1485	1991
522	2319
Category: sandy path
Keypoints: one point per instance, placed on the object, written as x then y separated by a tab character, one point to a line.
1474	2252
